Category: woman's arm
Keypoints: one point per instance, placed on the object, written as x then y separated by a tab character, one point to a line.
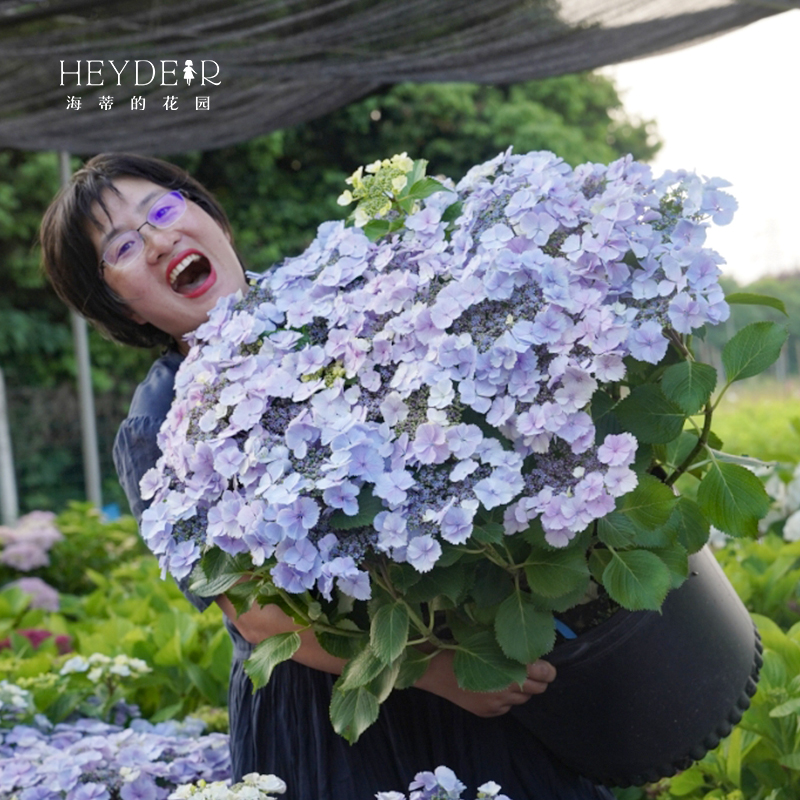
260	623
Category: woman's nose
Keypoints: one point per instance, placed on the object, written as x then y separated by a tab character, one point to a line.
159	241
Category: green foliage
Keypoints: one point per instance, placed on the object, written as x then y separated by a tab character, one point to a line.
130	612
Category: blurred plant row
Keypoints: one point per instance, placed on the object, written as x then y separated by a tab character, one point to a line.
89	631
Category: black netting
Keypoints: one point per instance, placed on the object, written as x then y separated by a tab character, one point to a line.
285	61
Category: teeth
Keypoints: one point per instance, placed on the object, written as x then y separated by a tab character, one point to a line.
190	259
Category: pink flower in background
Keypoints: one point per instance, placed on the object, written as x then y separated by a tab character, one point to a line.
27	543
42	594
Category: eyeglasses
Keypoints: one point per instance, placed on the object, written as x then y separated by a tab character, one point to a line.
125	248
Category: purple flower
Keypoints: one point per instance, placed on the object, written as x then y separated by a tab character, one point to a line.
391	486
42	594
423	552
299	518
648	343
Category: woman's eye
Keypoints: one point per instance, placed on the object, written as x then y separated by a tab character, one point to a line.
124	249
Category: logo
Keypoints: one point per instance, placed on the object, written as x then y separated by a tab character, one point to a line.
141	72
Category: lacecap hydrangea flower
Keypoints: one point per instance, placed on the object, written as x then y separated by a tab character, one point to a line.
374	396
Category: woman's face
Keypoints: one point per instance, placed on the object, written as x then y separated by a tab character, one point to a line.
180	272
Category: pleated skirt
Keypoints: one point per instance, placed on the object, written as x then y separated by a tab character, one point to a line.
284	729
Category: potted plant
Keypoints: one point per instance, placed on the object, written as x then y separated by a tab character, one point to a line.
459	424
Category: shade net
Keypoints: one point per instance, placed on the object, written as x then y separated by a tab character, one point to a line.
260	65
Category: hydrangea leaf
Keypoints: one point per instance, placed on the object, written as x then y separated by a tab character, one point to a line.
753	349
677	560
650	504
342	646
689	384
412	668
422	188
450	582
598	561
750	298
481	666
388	633
353	712
689	524
267	655
381	686
650	416
637	579
616	530
557	572
491	586
523	632
218	571
733	499
360	670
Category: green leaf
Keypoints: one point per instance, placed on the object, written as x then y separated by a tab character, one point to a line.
686	782
753	349
491	586
342	645
267	655
650	416
382	685
689	384
417	172
452	212
217	572
790	760
359	671
599	559
677	561
448	582
523	633
412	668
553	573
368	507
480	665
352	712
616	530
748	298
637	580
650	504
488	532
423	188
690	525
376	228
789	708
603	416
389	632
733	499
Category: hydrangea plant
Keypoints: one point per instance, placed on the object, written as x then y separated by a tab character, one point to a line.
443	424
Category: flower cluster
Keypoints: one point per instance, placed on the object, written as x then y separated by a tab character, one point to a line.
375	397
91	760
99	667
251	787
15	702
442	784
375	190
26	545
36	636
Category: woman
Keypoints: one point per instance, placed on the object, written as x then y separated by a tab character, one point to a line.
144	252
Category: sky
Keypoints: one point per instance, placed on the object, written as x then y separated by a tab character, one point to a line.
729	108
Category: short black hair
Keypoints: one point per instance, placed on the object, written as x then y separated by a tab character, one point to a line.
69	258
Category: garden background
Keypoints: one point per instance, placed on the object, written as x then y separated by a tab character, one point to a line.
276	189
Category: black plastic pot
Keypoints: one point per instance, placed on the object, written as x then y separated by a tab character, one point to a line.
644	694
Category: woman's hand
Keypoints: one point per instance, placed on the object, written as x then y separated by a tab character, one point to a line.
260	623
441	680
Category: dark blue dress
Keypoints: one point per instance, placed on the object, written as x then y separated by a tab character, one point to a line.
284	728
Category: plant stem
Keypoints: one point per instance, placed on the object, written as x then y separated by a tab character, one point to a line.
701	443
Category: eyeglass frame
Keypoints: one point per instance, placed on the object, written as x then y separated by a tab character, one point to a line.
103	263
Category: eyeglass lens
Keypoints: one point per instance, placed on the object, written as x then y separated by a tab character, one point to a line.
166	211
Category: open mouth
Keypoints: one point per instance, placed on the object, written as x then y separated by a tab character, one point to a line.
190	274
